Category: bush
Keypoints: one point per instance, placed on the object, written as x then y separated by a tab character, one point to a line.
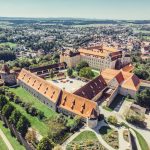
14	118
23	125
40	114
112	120
7	110
3	101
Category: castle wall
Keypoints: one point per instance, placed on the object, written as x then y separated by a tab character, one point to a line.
39	96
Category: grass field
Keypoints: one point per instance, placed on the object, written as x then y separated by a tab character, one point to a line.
2	144
85	136
16	145
37	124
9	44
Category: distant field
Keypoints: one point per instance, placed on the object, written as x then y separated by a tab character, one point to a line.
9	44
91	25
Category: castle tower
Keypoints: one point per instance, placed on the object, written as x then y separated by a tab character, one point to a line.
7	75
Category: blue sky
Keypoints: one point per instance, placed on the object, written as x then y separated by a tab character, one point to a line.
100	9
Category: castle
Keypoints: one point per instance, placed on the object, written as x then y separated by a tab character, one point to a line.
98	57
84	101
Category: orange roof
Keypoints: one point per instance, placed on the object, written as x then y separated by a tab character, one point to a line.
78	105
109	74
45	88
71	102
131	83
128	68
125	79
99	51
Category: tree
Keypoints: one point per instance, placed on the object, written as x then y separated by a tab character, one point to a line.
142	74
112	120
23	125
51	74
86	72
143	98
45	144
14	118
69	72
3	101
81	65
31	136
7	110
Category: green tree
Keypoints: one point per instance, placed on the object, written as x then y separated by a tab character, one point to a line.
69	72
3	101
86	72
7	110
112	120
51	74
143	98
81	65
141	73
15	116
45	144
23	125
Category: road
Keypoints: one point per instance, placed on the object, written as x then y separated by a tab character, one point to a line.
8	144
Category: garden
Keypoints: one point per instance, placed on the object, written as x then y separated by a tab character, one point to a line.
86	140
110	136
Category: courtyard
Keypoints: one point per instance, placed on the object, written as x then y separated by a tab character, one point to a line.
68	84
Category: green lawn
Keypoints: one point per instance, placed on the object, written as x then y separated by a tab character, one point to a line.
85	136
85	140
96	72
27	97
2	144
142	142
39	125
16	145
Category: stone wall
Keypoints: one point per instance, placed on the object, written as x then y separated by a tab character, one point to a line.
16	134
39	96
112	96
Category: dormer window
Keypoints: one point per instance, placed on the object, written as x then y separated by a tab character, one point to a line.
23	76
65	98
39	86
34	83
28	80
46	90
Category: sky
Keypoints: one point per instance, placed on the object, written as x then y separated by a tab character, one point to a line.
94	9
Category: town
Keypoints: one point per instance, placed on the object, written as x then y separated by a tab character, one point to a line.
74	84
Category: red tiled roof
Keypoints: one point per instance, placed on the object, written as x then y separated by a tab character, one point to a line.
125	79
128	68
132	83
78	105
45	88
91	89
71	102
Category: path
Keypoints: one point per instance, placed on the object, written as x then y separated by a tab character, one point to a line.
145	133
6	140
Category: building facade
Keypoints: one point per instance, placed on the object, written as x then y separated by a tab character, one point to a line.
98	57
